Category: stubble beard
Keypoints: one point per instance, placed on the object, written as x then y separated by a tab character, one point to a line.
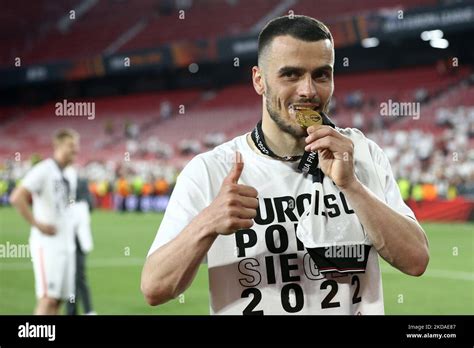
290	128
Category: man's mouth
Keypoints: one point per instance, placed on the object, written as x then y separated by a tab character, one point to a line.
293	108
305	106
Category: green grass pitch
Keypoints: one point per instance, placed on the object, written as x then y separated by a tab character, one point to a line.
122	241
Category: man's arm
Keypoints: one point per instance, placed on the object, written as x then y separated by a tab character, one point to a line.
397	238
170	270
20	200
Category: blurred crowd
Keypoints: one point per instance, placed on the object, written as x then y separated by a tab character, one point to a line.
431	165
428	165
153	147
109	182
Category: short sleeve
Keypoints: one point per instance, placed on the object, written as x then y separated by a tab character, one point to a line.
393	197
35	179
186	202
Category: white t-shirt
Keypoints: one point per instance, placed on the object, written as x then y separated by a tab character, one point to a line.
51	203
265	269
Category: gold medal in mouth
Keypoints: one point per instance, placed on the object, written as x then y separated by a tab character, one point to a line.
307	117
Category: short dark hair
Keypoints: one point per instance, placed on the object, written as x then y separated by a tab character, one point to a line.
61	134
300	27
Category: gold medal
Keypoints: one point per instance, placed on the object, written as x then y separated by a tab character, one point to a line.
308	117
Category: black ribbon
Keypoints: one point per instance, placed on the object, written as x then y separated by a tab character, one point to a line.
308	161
352	258
259	141
65	182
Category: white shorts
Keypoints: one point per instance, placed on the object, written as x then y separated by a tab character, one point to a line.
55	272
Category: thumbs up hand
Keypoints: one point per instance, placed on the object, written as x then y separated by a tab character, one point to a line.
235	206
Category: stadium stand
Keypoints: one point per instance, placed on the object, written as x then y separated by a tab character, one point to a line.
234	110
38	35
163	130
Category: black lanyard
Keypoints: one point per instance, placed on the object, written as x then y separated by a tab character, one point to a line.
259	141
308	161
64	181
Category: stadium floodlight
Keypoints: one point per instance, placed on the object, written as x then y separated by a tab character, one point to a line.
439	43
431	35
370	42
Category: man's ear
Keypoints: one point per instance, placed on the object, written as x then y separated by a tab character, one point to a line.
257	80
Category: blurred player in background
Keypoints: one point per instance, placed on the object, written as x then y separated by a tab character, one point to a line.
51	186
81	210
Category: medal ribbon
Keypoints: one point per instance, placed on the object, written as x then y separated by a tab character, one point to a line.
308	162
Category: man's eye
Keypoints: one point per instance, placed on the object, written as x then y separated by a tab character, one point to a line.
290	74
323	75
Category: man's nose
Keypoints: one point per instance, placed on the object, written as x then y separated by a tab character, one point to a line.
307	88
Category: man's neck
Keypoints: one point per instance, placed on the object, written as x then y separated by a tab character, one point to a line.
281	143
61	163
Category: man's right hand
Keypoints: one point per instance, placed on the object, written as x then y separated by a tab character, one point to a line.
235	206
49	230
20	200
